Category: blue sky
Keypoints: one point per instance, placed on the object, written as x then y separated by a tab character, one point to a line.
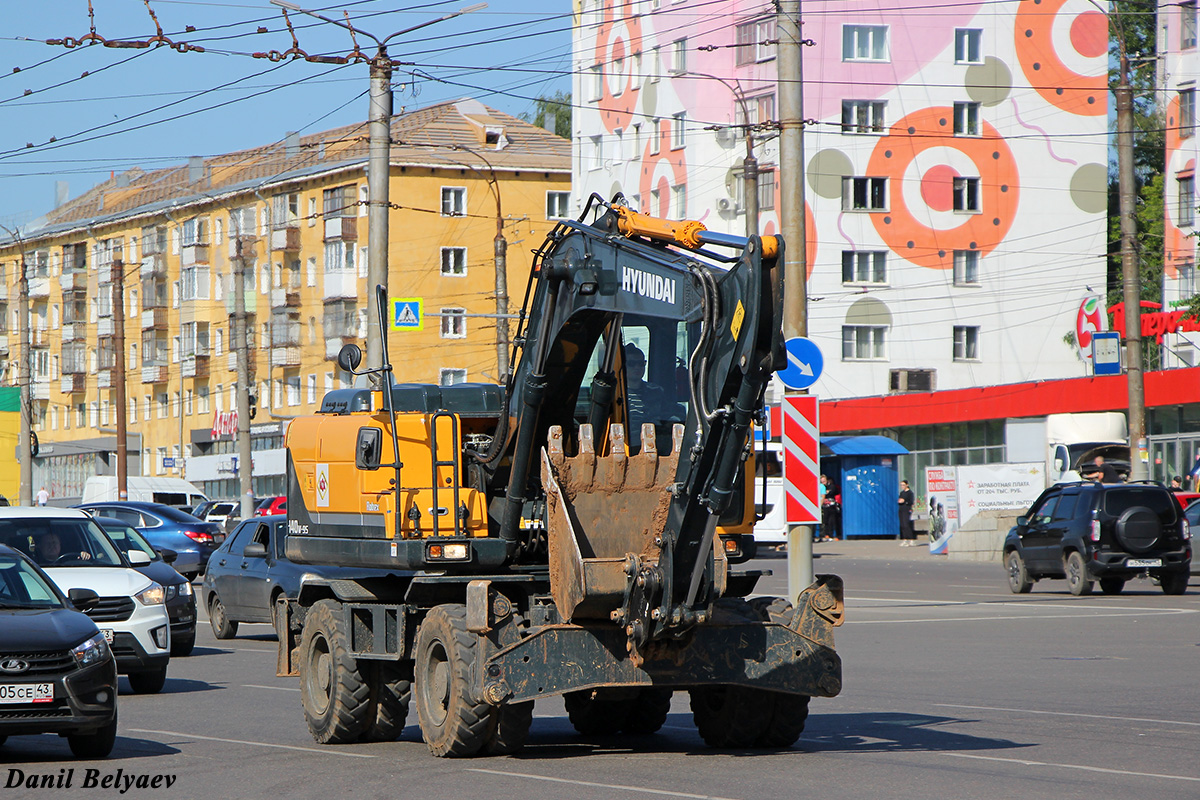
90	111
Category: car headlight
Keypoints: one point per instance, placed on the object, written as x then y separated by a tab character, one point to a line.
152	595
93	651
185	589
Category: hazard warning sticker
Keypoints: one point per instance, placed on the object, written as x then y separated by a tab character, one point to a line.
322	486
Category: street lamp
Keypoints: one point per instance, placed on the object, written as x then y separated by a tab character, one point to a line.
750	164
380	119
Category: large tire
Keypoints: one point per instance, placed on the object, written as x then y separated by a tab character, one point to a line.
183	645
1076	571
592	714
1018	576
1112	585
508	729
730	716
789	712
648	712
336	698
222	626
390	685
148	682
92	745
1174	582
453	724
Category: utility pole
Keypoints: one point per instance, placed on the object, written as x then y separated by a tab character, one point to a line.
24	450
791	223
500	246
245	468
118	267
378	172
1129	270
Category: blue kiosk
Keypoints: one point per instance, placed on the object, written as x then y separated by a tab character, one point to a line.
865	470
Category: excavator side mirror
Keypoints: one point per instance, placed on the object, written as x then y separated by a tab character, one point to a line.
349	357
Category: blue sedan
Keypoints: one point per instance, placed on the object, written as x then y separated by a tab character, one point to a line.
193	540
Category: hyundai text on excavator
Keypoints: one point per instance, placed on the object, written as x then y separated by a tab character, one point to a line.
570	532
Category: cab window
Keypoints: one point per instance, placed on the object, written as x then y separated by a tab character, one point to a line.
1065	510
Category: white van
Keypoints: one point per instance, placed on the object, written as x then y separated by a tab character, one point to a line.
169	491
772	529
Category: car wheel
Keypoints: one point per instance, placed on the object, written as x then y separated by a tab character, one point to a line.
148	682
183	645
1077	577
222	626
92	745
1112	585
1173	582
1018	576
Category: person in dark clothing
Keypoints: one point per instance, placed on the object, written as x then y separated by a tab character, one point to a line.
1176	484
831	511
908	537
1105	472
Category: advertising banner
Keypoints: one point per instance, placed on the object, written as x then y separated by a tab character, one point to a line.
941	491
989	487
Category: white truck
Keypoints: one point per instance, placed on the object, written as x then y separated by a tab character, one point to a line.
1066	442
168	491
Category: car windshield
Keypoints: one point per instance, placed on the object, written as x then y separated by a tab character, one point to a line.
22	587
1161	502
60	541
127	539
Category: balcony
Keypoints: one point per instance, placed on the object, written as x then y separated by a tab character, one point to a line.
3	344
193	254
73	281
286	239
3	292
250	299
195	366
74	332
334	343
104	379
249	245
39	389
232	364
285	298
104	327
341	228
154	319
153	264
154	372
285	356
72	384
38	337
104	273
39	288
341	284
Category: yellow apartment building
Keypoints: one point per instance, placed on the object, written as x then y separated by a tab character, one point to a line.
298	210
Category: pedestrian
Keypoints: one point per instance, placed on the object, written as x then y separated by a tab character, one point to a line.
43	497
1106	473
831	511
1176	484
907	537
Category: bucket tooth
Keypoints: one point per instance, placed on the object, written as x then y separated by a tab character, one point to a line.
676	439
554	445
581	470
642	468
610	469
587	441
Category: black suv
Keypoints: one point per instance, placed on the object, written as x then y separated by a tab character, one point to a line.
1107	532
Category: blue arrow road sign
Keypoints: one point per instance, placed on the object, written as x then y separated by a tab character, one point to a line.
805	363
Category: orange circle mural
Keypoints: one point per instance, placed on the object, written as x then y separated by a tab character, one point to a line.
1058	84
1178	247
998	191
617	40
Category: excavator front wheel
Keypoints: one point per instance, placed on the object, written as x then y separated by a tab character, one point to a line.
335	695
452	723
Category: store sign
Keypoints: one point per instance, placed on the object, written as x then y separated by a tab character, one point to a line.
1090	319
225	423
1155	323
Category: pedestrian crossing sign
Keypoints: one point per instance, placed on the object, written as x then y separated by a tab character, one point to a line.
406	314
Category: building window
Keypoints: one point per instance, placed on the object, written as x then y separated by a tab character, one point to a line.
1187	25
597	160
454	261
679	56
596	82
1187	278
864	43
679	201
761	109
966	195
340	201
966	119
655	136
863	116
863	342
756	41
618	145
454	323
864	266
968	45
864	194
339	256
766	189
312	388
966	343
451	376
557	204
164	405
1187	202
454	201
293	390
1187	113
966	267
678	121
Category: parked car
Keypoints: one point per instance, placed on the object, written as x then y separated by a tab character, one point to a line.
270	506
180	599
57	672
1110	533
216	510
193	540
250	571
76	553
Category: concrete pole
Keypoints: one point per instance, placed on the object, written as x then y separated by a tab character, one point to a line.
750	185
501	251
791	223
378	174
1131	285
245	469
118	268
25	493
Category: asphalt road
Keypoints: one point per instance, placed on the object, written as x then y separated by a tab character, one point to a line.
954	688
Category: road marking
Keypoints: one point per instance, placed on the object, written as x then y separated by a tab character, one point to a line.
1070	714
909	600
1027	763
276	688
642	789
1009	618
326	750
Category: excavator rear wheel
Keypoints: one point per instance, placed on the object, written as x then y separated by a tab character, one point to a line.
648	712
334	693
508	729
390	685
730	716
789	712
592	714
453	724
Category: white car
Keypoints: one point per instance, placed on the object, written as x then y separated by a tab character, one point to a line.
77	554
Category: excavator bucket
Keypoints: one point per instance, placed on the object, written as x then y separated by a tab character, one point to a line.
602	509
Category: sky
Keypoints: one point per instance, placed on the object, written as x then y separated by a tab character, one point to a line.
80	114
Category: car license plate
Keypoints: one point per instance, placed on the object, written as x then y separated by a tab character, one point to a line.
26	692
1143	562
108	634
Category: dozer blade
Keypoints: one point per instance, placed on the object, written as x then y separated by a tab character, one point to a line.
603	509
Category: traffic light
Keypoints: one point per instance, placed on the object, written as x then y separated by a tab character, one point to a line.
253	406
33	444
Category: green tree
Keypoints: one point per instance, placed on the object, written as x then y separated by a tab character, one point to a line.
557	107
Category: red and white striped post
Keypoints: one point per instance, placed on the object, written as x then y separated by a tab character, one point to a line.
802	459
